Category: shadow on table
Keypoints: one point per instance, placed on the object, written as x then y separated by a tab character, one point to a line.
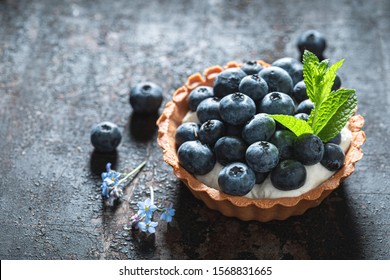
142	127
325	232
98	161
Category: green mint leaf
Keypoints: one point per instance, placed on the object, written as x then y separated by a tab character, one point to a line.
328	80
310	65
337	109
330	106
297	126
320	82
314	73
322	68
321	78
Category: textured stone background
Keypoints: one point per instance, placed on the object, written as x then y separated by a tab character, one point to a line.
66	65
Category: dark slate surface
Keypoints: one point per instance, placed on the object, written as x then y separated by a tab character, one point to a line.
66	65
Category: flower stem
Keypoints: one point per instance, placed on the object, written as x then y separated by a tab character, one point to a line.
151	195
134	172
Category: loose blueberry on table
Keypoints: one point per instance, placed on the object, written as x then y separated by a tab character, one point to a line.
313	41
267	122
145	98
105	137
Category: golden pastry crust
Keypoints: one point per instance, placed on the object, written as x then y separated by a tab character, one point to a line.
262	210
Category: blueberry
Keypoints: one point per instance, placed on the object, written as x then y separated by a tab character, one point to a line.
211	131
305	106
254	86
262	156
259	128
288	175
237	108
284	140
196	157
230	149
187	131
277	103
251	67
227	81
333	158
197	95
145	98
308	149
302	116
233	130
336	139
299	92
105	137
208	109
336	83
313	41
236	179
277	79
261	176
293	67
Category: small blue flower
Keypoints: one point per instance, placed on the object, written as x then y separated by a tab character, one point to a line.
167	214
146	208
111	176
105	189
148	226
110	179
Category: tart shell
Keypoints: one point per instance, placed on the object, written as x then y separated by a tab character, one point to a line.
243	208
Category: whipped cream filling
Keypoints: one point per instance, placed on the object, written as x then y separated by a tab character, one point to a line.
316	174
190	117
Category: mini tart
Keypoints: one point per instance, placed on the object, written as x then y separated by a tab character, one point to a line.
246	209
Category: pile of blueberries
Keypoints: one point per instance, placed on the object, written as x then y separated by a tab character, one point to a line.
235	130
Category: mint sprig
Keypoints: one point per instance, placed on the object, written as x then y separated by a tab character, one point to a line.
336	111
297	126
332	109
